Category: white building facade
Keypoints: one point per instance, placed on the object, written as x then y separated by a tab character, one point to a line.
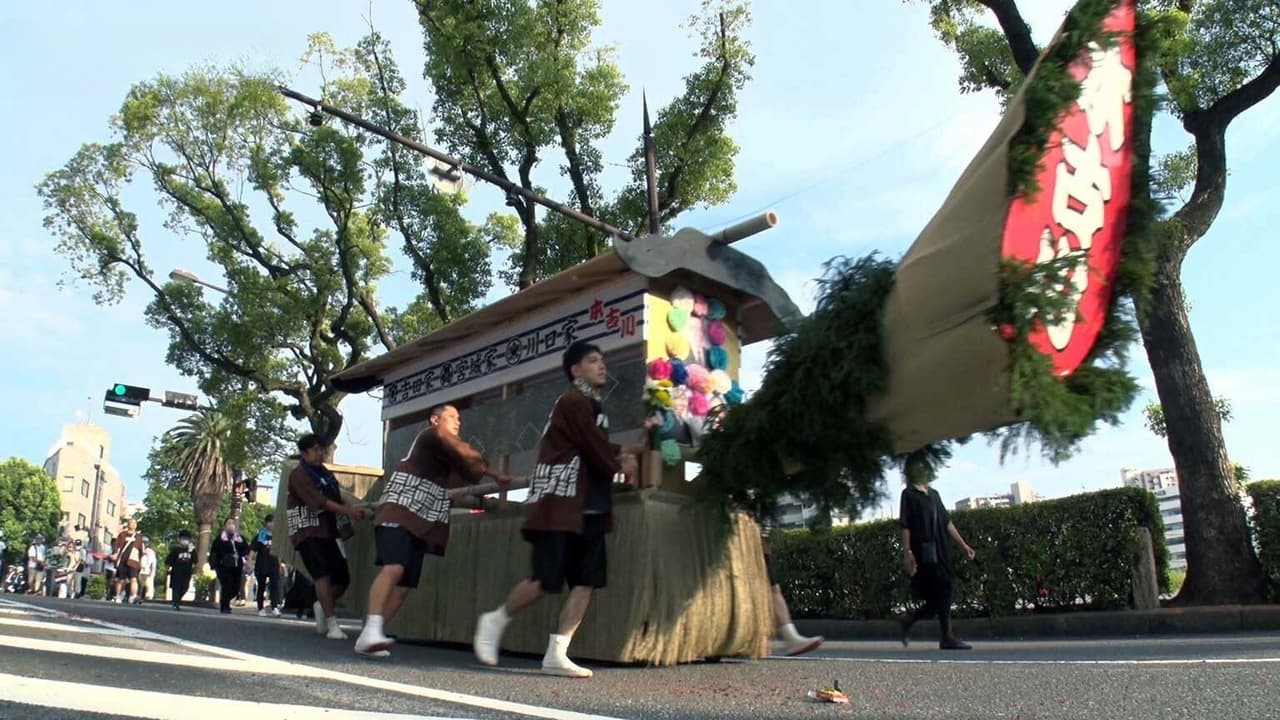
1020	493
1163	483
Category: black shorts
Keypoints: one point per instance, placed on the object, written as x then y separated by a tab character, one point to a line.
565	557
124	572
323	559
398	546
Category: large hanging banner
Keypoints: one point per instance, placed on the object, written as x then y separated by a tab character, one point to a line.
948	365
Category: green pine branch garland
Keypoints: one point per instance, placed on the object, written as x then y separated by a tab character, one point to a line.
805	430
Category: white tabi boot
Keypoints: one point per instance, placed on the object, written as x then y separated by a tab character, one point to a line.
372	640
557	662
798	644
488	638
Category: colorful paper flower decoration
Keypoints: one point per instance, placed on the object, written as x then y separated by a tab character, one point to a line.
677	346
699	379
699	404
716	309
721	382
677	318
682	298
716	333
660	369
679	373
736	394
699	306
718	358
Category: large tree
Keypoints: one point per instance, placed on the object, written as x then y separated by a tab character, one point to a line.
296	219
29	504
517	82
1217	59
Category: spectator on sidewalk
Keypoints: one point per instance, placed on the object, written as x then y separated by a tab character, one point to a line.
66	578
926	534
36	558
181	562
109	573
266	568
80	580
128	557
227	555
147	571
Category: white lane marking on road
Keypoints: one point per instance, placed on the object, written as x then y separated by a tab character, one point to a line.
61	628
108	652
998	661
284	667
165	706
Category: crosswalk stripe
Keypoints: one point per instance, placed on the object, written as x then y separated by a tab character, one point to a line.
166	706
61	628
261	664
107	652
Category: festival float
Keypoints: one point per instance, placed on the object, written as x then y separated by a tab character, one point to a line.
1006	317
671	315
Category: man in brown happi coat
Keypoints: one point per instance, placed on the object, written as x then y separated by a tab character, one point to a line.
317	519
412	519
568	511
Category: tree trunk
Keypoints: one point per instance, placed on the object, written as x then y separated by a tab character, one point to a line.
206	505
1221	565
326	423
202	548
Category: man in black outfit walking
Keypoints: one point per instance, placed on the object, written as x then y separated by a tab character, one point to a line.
926	529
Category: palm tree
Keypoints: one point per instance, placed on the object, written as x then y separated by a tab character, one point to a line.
201	440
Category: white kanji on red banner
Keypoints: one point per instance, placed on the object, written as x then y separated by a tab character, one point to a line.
1105	91
1082	181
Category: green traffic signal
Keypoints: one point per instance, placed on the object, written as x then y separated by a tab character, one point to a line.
118	390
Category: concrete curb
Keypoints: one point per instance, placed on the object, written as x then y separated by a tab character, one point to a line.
1217	619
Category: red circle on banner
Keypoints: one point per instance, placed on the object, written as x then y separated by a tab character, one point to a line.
1083	201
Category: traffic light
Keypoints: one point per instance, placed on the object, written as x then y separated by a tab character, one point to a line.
251	489
128	394
181	401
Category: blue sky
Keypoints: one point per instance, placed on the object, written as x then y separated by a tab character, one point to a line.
852	130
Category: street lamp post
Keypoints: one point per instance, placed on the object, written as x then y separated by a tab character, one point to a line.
180	275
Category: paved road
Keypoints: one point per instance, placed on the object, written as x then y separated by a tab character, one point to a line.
77	659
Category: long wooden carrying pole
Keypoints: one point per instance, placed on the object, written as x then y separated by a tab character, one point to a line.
488	177
479	490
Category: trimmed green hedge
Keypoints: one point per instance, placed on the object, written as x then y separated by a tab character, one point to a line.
96	588
1069	554
206	588
1266	529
